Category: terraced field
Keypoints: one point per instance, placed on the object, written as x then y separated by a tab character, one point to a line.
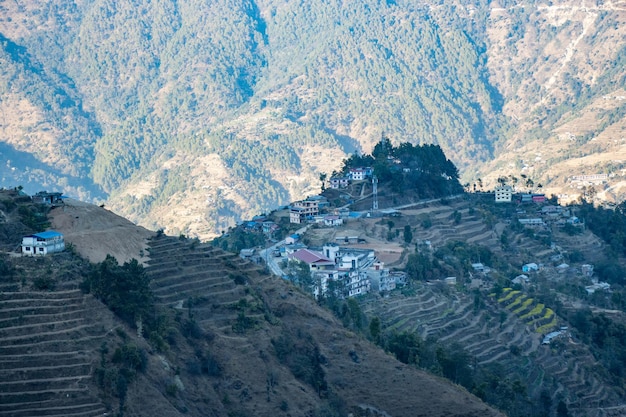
47	354
490	336
507	329
184	271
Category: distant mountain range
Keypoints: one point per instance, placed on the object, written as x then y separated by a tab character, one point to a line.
193	116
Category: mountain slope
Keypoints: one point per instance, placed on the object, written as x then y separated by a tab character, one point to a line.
193	116
235	342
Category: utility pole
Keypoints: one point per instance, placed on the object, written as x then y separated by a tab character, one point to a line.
374	193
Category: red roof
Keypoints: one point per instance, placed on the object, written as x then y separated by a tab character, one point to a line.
311	257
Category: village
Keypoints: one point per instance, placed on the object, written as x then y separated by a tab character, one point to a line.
349	264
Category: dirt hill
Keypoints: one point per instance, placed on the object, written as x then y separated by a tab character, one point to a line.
236	341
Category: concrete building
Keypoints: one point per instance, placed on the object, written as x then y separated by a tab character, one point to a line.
43	243
504	194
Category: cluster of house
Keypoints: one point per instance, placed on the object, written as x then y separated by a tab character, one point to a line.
352	271
550	214
260	224
586	270
505	194
354	174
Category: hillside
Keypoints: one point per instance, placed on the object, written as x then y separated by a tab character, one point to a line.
226	339
193	117
491	327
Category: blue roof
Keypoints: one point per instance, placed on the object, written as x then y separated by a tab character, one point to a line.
47	235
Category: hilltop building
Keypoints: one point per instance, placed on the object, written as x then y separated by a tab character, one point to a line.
504	194
359	174
51	199
43	243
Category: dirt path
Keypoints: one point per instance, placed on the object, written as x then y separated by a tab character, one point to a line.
95	232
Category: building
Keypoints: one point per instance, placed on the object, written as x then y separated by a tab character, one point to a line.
359	174
537	221
504	194
301	210
43	243
339	182
51	199
539	198
315	260
530	267
333	220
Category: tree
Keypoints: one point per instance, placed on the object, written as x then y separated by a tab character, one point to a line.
124	289
375	328
323	177
408	235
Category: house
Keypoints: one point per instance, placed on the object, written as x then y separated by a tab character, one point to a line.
301	210
539	198
450	280
269	227
315	260
398	277
587	270
291	239
605	286
551	336
246	253
379	277
526	198
333	220
521	279
355	258
530	267
339	182
43	243
51	199
537	221
358	283
504	194
331	251
359	174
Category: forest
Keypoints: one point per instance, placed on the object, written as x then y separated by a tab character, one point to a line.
105	98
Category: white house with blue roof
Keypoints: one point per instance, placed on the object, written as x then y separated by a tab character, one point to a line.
43	243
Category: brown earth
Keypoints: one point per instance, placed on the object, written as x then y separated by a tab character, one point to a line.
95	232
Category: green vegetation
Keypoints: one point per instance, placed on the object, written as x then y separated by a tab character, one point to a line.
124	289
423	169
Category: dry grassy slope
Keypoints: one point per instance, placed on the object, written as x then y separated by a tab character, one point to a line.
248	359
537	55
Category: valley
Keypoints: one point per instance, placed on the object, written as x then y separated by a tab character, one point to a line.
199	117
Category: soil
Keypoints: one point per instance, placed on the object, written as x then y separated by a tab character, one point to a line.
95	232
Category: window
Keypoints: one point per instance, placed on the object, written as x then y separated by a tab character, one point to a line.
27	248
40	249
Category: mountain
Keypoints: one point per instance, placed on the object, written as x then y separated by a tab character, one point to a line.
219	337
194	116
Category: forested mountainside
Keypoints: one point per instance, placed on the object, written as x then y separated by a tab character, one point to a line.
193	115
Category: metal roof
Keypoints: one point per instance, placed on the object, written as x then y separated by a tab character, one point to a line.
48	234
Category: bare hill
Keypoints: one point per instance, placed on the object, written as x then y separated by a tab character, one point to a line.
95	232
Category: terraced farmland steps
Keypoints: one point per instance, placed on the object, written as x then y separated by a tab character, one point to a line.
183	270
451	318
44	367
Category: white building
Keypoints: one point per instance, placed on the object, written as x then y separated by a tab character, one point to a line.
504	194
43	243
